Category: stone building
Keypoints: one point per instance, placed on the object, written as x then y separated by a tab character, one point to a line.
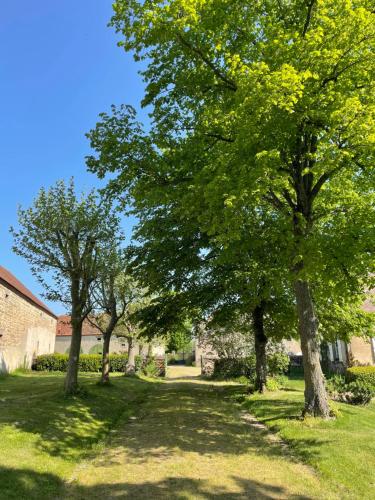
359	351
92	340
27	326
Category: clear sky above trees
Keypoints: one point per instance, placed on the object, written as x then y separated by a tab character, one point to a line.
60	67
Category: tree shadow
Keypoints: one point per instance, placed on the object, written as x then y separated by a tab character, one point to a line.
151	420
68	427
22	484
195	418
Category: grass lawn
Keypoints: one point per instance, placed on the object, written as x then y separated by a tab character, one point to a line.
183	438
342	450
189	441
43	435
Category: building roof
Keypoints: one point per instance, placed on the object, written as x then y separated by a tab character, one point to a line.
11	282
64	327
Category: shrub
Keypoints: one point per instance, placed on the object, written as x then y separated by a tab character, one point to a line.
138	363
276	382
272	384
151	369
365	374
118	362
51	362
356	392
242	380
87	362
232	368
278	363
336	384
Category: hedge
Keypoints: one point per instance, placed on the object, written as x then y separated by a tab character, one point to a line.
278	364
93	363
234	367
87	362
364	374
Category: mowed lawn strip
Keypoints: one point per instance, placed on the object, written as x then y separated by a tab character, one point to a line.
341	450
43	435
190	441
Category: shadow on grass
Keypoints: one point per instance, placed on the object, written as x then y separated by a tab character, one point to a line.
67	427
197	418
22	484
188	416
273	412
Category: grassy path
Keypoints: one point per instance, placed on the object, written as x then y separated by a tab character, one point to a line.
190	441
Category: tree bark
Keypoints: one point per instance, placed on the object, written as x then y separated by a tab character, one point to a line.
260	348
71	379
316	400
149	351
105	360
130	365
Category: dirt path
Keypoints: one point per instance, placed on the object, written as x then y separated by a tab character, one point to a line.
190	441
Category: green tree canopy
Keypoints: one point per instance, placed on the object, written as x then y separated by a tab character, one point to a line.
269	102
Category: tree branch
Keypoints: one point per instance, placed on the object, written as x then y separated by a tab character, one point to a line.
308	17
230	84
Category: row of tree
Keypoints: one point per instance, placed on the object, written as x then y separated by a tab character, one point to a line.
254	184
75	247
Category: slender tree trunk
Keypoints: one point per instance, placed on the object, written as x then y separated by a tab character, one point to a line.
316	400
149	351
140	349
105	360
71	379
130	365
260	348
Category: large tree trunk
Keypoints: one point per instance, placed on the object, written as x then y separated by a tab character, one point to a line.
260	348
130	365
71	379
316	400
105	360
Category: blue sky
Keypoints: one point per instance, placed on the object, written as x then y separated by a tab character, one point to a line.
60	66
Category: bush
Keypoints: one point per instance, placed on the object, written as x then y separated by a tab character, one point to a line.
278	363
364	374
118	362
232	368
87	362
51	362
356	392
138	363
336	384
151	369
276	382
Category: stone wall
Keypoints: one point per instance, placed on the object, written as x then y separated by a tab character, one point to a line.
25	330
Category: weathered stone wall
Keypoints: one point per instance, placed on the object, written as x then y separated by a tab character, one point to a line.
25	331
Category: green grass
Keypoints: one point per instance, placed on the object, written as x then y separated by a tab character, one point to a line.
43	435
184	438
341	450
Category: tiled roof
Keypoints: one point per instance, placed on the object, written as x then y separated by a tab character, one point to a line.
12	282
64	328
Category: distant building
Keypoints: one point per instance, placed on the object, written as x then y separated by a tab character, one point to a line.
359	350
27	326
92	340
